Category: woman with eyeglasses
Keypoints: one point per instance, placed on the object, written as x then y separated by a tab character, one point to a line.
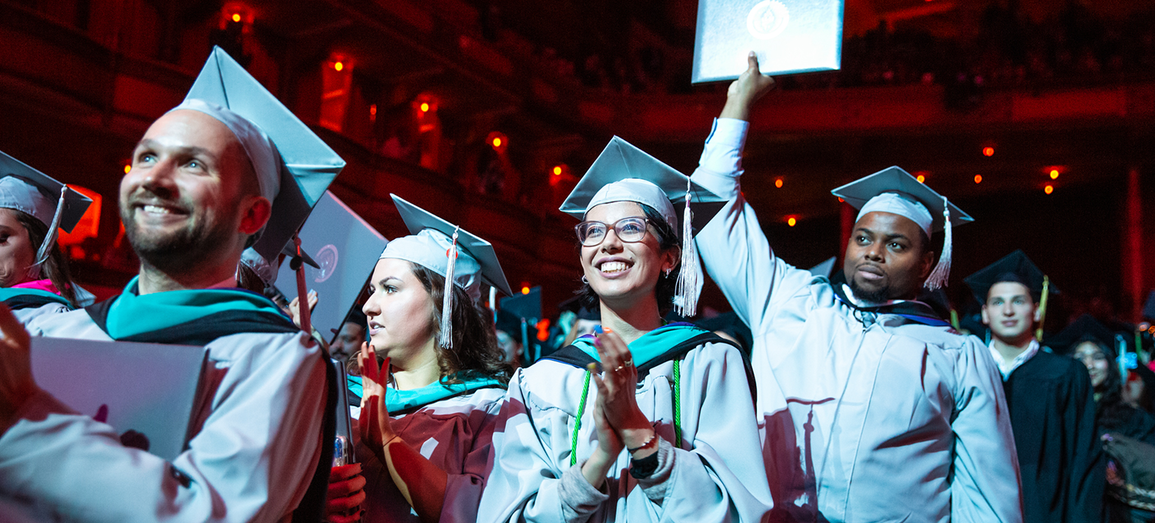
643	421
433	380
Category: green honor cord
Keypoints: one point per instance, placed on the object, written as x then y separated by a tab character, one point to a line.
677	404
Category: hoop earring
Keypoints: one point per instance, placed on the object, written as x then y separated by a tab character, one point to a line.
584	280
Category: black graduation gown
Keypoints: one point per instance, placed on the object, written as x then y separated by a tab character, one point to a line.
1053	417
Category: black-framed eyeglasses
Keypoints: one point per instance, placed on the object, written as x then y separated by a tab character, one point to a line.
628	230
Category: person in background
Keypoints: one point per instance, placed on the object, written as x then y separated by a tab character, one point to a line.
34	274
1049	397
428	412
1097	347
351	336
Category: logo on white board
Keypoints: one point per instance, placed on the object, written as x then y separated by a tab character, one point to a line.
326	259
767	19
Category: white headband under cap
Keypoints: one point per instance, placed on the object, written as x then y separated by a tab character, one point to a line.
429	248
638	191
895	203
258	146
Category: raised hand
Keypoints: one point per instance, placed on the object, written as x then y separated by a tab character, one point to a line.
746	90
16	382
295	307
376	429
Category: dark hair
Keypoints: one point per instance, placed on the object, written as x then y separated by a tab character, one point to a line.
55	268
1110	411
664	291
474	351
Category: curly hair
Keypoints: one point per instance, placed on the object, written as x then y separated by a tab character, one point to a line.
664	290
55	268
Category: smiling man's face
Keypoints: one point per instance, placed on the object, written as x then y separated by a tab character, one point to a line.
182	199
886	258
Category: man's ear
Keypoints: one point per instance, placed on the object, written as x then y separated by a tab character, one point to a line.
256	211
927	264
1038	316
986	317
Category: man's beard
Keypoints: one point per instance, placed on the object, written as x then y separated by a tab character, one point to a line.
876	296
180	251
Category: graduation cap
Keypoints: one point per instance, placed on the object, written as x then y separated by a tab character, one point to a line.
461	257
624	173
293	165
895	191
825	268
518	315
36	194
1087	328
1149	307
1014	267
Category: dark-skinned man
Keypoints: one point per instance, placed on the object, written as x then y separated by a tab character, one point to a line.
226	166
1049	397
881	412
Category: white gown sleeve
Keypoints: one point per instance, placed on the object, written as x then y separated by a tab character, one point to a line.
986	483
251	460
733	247
24	316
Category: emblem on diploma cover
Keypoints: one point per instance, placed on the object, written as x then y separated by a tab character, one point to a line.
327	261
767	19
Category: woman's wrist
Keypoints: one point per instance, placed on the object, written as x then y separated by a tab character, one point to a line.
639	439
597	466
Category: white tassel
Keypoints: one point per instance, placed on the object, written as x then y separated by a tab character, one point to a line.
50	238
938	277
686	290
446	338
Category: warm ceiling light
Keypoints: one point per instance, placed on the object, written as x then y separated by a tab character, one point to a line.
791	221
497	142
1049	189
978	178
424	107
557	170
525	289
988	151
778	183
338	66
236	17
921	178
1054	174
127	168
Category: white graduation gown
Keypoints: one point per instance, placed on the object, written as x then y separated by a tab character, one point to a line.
455	435
251	460
883	419
26	315
714	477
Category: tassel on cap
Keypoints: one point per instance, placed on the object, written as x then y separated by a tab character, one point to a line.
445	340
938	277
686	289
50	238
1043	306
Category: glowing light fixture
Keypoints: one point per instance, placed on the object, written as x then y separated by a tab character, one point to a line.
127	168
525	289
921	178
1054	174
988	151
778	183
338	66
791	221
236	17
557	170
978	178
1048	188
424	107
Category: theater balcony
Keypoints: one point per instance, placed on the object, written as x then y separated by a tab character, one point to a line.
487	113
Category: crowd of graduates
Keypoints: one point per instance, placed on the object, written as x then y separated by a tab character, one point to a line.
830	394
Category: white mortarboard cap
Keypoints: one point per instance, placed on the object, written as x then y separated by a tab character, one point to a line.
302	165
624	173
32	192
895	191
